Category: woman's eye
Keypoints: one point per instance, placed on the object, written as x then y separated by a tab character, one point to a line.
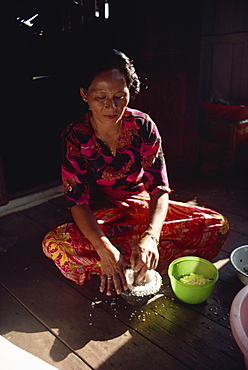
120	97
100	97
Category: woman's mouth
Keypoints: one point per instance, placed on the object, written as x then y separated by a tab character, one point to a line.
110	116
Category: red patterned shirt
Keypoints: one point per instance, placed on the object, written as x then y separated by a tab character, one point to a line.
91	172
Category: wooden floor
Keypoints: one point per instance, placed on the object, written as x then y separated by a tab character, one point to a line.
75	327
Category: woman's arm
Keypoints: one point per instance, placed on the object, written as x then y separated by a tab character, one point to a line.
112	262
145	255
158	208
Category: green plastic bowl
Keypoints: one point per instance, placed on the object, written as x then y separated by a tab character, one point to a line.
192	294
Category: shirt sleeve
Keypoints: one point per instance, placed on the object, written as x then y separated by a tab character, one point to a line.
155	174
73	171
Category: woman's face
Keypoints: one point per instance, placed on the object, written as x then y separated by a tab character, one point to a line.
107	97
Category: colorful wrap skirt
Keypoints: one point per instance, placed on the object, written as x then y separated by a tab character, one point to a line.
187	230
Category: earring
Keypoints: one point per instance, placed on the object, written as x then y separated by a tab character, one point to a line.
83	94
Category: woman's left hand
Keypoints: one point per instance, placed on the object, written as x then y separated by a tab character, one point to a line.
145	256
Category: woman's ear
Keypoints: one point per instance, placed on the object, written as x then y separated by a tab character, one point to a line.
83	93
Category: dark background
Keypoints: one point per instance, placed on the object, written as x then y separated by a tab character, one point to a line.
164	39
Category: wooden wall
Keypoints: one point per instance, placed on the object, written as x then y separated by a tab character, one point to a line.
165	102
224	50
166	48
172	45
163	38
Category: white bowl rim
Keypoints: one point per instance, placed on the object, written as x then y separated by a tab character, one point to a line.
231	259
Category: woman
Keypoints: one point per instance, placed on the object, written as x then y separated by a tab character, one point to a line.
116	186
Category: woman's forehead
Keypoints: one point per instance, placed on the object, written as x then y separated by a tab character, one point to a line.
108	79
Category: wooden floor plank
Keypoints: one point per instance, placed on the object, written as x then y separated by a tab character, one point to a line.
206	189
19	327
177	335
235	240
227	273
68	315
48	215
13	357
41	293
19	228
210	321
215	198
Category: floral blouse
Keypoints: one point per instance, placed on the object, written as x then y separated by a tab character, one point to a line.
91	172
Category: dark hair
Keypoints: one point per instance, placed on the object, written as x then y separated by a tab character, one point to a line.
103	60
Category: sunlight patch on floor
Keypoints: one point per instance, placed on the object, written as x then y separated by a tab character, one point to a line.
111	346
219	264
13	357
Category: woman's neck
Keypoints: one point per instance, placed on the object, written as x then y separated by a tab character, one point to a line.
108	136
106	131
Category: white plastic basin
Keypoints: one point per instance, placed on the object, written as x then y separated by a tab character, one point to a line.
239	321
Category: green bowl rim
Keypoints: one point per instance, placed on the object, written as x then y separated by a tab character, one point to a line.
194	258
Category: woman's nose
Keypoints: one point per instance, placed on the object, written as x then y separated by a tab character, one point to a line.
110	103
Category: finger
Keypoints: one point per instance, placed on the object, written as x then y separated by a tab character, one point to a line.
151	261
155	263
155	260
103	283
140	263
110	286
117	284
133	259
142	274
138	266
123	281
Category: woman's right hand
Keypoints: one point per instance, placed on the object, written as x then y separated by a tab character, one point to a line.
112	266
112	262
